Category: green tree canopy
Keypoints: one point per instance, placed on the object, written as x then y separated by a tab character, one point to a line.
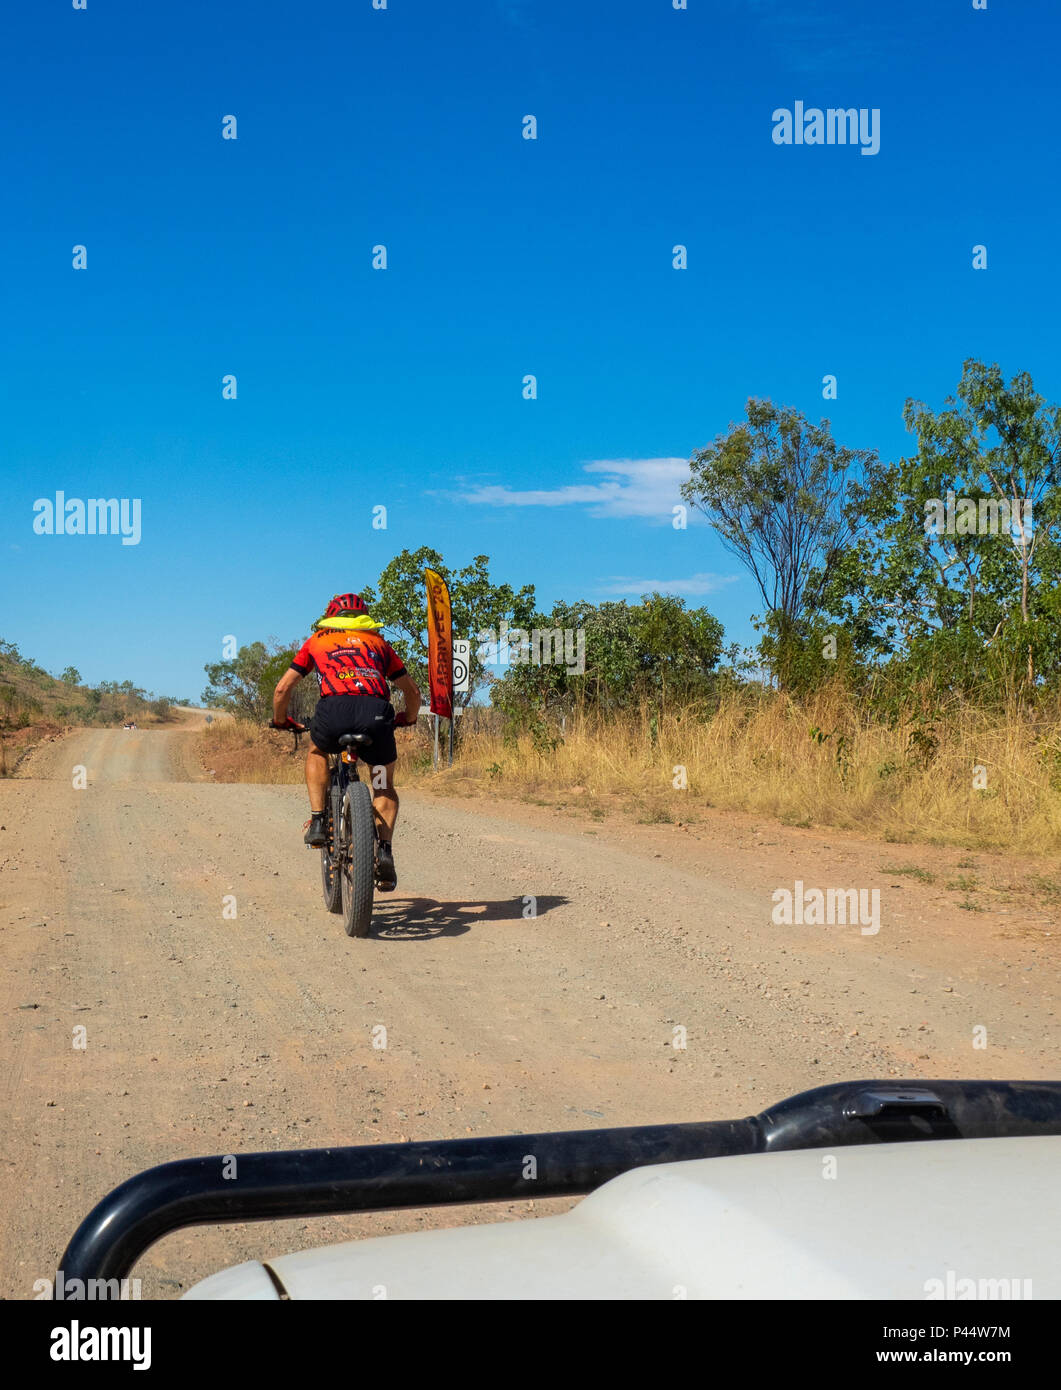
399	601
787	500
244	685
975	604
656	650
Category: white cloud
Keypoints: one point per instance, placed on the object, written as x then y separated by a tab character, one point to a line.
629	487
693	586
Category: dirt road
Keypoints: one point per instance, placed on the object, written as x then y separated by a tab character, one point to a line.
530	973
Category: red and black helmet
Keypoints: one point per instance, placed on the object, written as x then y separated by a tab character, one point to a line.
345	603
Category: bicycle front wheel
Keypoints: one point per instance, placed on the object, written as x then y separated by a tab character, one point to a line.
358	866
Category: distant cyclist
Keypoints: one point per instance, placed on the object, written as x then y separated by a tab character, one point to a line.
354	665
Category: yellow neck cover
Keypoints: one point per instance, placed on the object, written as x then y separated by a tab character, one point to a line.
357	622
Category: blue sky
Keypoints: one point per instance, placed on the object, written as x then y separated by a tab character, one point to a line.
403	388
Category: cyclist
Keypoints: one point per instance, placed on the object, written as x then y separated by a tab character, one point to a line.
354	664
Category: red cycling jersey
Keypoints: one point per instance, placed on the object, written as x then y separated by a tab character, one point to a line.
350	663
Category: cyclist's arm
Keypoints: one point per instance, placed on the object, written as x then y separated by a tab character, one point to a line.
411	693
282	693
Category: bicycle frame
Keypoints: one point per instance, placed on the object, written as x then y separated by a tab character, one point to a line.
339	778
342	767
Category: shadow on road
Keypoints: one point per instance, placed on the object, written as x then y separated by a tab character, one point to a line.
420	919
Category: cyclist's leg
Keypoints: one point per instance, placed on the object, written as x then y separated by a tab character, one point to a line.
316	778
384	799
385	808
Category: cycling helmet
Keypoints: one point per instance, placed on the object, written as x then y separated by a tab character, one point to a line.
345	603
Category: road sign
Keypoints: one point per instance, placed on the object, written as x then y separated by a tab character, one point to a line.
462	661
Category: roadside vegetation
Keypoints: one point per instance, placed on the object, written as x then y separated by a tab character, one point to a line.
907	680
35	704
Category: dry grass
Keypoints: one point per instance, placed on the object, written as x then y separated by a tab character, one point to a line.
823	761
15	745
237	751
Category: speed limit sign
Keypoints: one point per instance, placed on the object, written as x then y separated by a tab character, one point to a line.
462	660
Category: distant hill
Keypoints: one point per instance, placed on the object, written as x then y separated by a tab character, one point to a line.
35	704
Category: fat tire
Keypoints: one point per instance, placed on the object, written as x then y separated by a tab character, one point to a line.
358	861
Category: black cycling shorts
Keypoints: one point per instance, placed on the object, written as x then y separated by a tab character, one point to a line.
355	714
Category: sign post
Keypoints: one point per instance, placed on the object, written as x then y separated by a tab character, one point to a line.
462	666
462	661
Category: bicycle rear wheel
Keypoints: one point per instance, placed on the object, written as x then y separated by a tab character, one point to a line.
331	879
358	861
